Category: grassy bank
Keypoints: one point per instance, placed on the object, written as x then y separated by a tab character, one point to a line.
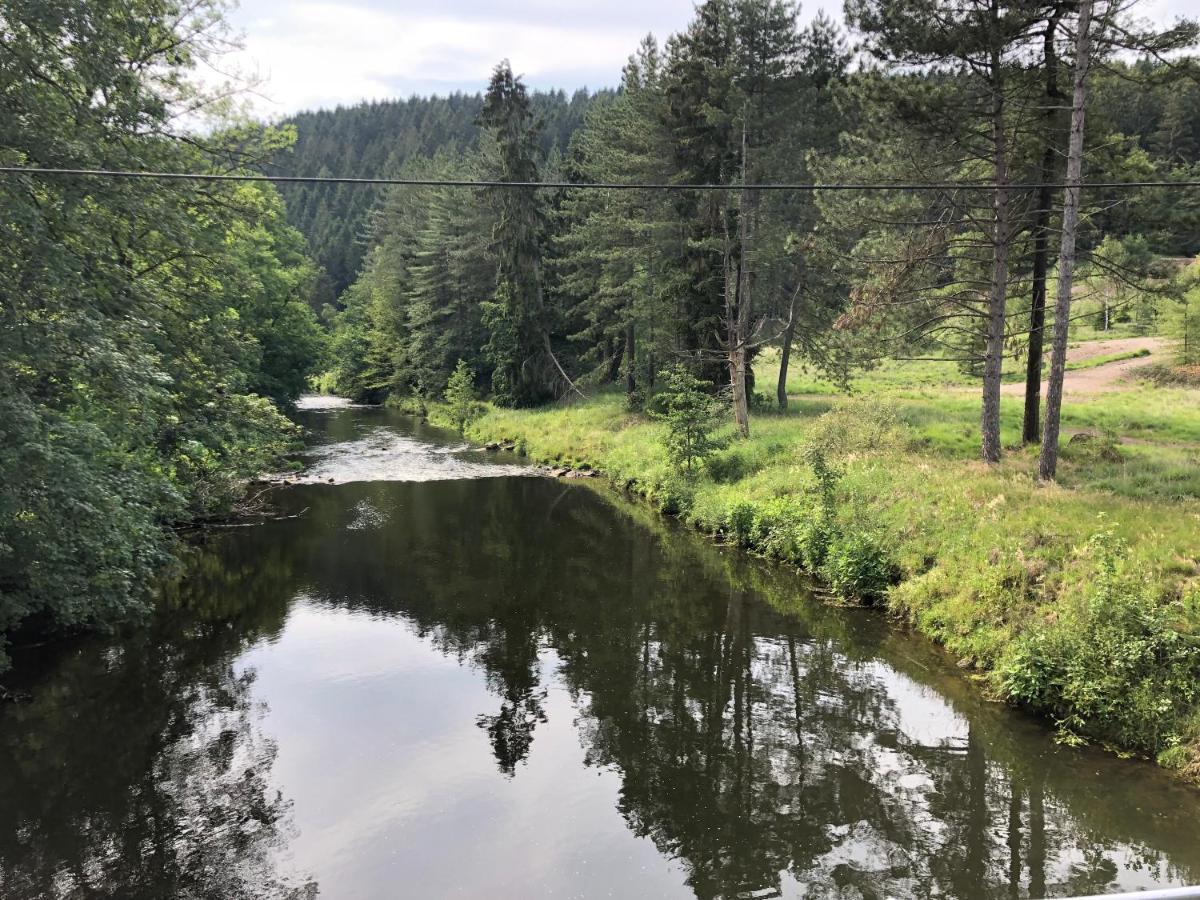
1081	600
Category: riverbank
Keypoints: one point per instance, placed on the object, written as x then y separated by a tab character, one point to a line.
526	670
1079	601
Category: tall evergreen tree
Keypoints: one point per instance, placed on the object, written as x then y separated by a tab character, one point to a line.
523	363
612	244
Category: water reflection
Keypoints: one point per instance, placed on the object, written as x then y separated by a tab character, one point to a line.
508	687
140	768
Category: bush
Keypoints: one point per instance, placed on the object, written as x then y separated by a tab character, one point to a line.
460	397
1085	446
1116	667
858	425
739	523
727	467
672	496
857	566
775	523
691	416
1162	375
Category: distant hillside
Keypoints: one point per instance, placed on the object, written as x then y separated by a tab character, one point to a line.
375	139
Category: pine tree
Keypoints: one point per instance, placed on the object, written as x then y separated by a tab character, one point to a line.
519	348
612	244
981	46
460	396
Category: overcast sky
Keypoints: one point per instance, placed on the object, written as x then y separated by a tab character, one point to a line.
321	53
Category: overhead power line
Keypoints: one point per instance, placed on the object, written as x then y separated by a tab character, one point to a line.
587	185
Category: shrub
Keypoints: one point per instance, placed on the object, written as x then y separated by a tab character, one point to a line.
812	537
774	527
727	467
460	397
1115	667
1163	375
672	496
691	416
739	522
1085	446
857	425
760	402
858	566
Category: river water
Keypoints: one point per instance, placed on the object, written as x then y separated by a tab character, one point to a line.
442	676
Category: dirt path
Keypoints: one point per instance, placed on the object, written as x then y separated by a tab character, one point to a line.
1105	378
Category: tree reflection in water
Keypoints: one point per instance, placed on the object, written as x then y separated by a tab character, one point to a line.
761	750
767	752
139	768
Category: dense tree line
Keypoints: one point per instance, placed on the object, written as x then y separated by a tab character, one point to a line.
150	334
592	286
610	286
376	138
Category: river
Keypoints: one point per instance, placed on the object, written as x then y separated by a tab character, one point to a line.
434	674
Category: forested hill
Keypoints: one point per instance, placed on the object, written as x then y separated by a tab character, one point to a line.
376	138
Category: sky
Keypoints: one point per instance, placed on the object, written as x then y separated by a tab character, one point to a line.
321	53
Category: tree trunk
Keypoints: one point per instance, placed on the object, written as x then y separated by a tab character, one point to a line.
1048	463
993	358
1031	427
615	356
630	360
789	334
740	311
784	357
737	356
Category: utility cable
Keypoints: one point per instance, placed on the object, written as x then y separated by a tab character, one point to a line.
571	185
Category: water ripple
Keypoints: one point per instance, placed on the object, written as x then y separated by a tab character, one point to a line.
382	454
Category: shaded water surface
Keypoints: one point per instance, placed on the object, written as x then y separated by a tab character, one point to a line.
436	684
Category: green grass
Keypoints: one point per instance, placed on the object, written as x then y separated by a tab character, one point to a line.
987	561
1104	359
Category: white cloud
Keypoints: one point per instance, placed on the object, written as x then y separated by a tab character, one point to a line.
322	53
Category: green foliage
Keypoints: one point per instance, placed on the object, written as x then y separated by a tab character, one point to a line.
1183	319
672	495
149	332
518	321
387	137
418	305
460	397
269	280
858	566
793	529
740	520
860	424
1122	289
1115	666
691	415
610	246
811	533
